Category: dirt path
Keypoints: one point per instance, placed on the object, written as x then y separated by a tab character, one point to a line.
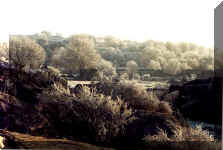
36	142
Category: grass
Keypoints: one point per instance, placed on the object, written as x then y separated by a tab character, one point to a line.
183	134
184	138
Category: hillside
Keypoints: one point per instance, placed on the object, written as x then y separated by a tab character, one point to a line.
39	106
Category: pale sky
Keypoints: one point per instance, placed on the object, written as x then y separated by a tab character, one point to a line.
140	20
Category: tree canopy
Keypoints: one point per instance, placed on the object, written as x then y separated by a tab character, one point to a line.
24	51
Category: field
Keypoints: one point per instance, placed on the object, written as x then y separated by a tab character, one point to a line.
145	84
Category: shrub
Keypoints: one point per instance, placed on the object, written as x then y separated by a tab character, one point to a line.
183	134
193	134
184	138
160	137
104	116
59	89
165	107
135	95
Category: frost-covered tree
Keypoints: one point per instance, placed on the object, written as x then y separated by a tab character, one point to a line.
24	52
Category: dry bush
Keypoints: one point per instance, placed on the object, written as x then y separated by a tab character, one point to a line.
165	107
183	139
193	134
59	89
161	136
104	116
183	134
135	95
104	102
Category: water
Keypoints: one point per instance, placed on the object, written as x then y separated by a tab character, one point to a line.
212	128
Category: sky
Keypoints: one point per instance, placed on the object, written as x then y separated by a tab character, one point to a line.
139	20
